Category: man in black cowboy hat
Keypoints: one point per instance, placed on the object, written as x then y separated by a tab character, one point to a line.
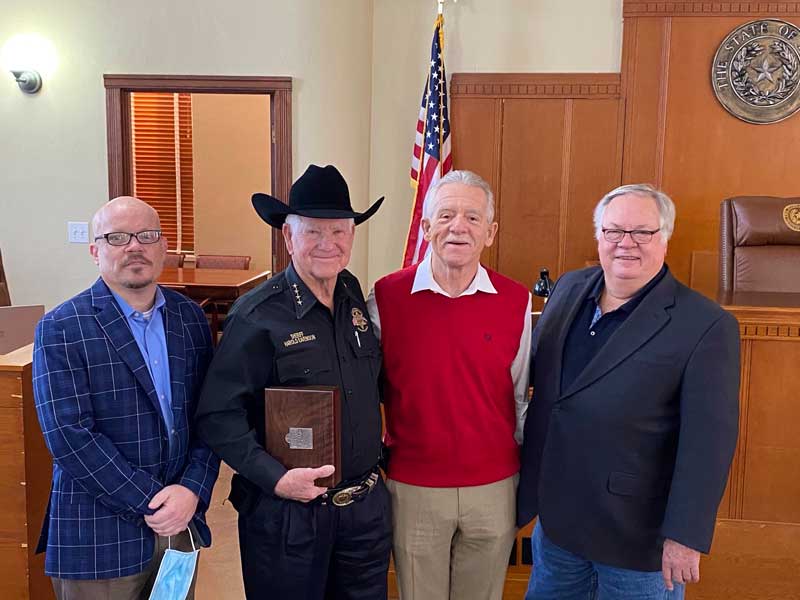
307	325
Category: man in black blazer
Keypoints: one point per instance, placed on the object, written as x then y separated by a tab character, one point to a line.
634	418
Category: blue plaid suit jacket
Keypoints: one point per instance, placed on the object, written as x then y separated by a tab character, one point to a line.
100	416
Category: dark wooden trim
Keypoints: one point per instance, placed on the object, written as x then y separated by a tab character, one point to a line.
281	166
118	132
536	85
663	96
199	83
647	8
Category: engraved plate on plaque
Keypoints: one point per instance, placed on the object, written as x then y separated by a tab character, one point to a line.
300	438
756	71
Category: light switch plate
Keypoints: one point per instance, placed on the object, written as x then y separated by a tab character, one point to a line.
78	232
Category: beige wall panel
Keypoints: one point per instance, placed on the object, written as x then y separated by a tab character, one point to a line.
231	145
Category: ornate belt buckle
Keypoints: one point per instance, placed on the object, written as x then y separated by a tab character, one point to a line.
345	496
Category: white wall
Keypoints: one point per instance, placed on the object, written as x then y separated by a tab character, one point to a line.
480	36
53	151
358	69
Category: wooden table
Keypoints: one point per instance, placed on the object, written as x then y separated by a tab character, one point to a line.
218	285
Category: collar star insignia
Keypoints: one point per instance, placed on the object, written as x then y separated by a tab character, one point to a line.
297	294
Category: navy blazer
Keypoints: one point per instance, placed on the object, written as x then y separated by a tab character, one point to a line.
102	423
638	447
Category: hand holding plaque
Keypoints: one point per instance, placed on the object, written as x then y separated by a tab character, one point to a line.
303	432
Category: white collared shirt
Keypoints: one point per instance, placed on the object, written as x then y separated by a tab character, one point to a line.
520	367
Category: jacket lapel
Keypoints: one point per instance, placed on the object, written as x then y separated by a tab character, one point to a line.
114	325
176	349
645	321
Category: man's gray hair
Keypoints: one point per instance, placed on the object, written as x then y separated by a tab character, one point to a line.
467	178
295	222
665	205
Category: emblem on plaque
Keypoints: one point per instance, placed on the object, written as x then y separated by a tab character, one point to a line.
756	71
300	438
791	216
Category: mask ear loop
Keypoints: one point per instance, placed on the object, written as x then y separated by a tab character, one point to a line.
191	539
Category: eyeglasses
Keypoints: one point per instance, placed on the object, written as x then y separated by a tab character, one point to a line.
123	238
640	236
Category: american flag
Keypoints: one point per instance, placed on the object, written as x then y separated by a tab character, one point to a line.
431	159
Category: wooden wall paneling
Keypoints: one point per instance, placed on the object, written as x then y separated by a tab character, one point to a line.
644	78
704	272
594	168
477	143
710	155
750	560
772	459
703	8
532	171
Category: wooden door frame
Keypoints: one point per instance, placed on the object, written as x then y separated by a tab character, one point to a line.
118	120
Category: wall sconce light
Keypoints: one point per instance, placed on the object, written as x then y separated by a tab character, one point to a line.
29	82
29	57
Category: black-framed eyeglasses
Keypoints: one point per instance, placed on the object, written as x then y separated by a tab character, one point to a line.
640	236
123	238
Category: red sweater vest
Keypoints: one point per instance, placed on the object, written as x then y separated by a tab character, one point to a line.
448	393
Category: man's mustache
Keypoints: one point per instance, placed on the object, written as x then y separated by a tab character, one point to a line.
134	260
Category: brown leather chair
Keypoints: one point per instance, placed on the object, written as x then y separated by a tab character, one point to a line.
221	261
758	250
5	295
174	261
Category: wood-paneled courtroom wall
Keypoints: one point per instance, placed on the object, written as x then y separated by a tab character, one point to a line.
552	144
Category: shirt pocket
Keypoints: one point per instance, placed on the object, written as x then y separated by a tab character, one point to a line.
303	368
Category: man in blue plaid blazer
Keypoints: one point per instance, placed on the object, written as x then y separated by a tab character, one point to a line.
117	371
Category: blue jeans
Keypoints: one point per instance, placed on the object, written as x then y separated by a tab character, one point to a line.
561	575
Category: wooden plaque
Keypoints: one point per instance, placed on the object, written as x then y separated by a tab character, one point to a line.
303	428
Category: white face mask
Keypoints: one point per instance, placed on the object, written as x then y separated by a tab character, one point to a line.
175	573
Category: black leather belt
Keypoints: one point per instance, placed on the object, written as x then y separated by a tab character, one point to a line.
344	495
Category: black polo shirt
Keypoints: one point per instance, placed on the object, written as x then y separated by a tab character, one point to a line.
279	335
590	329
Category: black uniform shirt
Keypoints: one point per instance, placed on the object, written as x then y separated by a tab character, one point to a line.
278	334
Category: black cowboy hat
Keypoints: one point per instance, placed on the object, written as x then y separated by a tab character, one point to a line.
321	193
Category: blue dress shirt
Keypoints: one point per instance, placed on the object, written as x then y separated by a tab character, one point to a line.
148	331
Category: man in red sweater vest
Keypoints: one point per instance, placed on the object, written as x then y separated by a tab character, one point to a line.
456	345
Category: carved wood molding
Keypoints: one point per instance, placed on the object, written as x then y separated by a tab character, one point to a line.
754	331
646	8
536	85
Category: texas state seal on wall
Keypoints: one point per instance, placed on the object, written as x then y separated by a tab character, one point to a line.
756	71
